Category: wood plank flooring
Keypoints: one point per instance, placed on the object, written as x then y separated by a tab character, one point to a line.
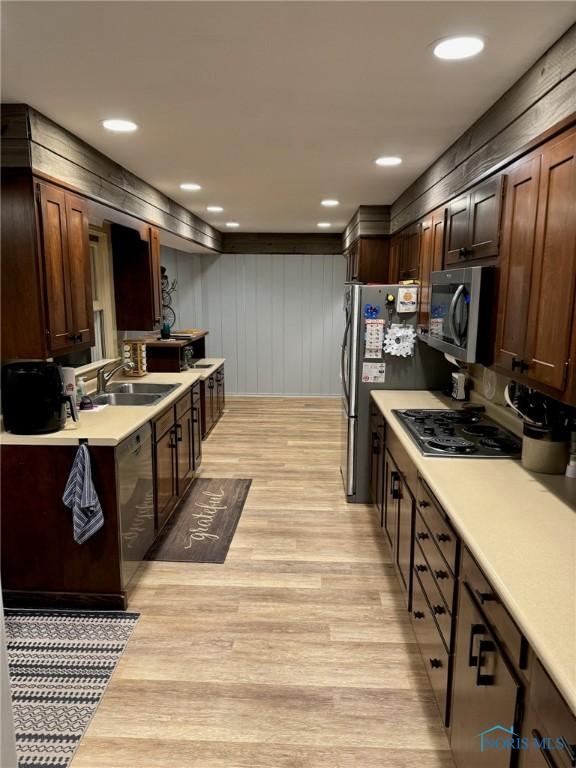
297	652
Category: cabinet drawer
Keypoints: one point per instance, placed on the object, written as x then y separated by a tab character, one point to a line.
184	404
433	595
163	423
443	577
554	715
442	532
499	620
436	659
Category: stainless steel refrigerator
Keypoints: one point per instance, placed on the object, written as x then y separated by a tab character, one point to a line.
362	356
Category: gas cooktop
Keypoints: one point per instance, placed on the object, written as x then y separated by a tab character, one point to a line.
463	434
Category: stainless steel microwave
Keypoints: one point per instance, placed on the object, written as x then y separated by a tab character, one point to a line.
459	311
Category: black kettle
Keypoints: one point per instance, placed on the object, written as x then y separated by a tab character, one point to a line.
33	397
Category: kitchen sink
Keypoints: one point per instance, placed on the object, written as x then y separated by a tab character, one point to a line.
126	398
202	365
143	387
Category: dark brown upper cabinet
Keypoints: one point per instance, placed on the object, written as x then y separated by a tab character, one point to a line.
367	260
473	223
535	334
409	264
137	280
431	252
46	259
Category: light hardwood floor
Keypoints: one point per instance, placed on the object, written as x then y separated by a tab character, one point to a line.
297	652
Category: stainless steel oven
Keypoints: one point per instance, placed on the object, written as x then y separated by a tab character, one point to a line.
459	299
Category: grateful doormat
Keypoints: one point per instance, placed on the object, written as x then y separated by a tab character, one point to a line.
201	530
60	663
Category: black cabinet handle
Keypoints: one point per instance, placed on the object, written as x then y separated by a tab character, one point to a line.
443	537
423	504
441	574
422	535
486	597
418	614
179	433
438	610
421	568
520	365
475	631
544	752
435	663
485	647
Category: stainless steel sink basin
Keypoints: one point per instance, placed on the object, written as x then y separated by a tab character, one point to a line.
202	365
126	398
143	387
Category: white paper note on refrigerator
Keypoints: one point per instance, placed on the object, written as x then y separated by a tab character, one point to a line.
374	338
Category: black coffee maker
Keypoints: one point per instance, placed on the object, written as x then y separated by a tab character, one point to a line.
33	398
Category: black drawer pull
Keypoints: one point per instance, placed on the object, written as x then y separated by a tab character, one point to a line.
485	647
441	574
443	537
422	535
475	631
421	568
435	663
486	597
423	504
438	610
544	752
419	614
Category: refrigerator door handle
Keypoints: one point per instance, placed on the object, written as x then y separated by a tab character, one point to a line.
343	359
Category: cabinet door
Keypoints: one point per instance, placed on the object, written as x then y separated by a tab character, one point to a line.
485	207
431	253
376	463
211	416
518	232
155	274
410	254
405	526
220	394
184	451
393	482
79	269
353	254
554	272
394	265
197	435
485	692
457	230
165	470
55	255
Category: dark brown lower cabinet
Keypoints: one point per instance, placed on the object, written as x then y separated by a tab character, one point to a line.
392	483
213	400
486	693
177	452
376	461
434	653
166	489
405	526
398	517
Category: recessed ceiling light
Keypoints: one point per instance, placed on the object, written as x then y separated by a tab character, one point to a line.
232	224
330	203
119	126
388	160
214	208
324	224
189	186
458	47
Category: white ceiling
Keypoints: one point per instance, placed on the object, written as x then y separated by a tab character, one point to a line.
271	106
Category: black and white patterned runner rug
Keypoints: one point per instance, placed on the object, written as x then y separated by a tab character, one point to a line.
60	663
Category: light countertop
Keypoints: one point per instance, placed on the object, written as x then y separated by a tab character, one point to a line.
110	425
521	528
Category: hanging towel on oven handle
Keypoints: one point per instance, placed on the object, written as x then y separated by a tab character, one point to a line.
81	497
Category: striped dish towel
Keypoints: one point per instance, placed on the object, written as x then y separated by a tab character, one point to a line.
81	497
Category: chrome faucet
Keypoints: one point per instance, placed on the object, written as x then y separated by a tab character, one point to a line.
104	376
